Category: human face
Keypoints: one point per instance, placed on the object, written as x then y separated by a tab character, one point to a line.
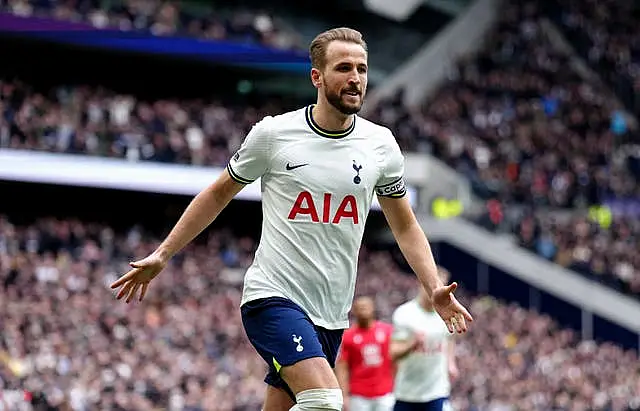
343	80
363	310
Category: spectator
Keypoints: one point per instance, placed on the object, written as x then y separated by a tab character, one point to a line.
67	344
166	19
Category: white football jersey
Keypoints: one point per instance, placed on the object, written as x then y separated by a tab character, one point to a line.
317	188
423	374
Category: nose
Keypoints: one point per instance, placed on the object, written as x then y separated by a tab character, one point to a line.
354	77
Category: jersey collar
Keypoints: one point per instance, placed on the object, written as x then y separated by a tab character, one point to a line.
323	132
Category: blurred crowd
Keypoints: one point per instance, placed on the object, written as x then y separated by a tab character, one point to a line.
605	33
605	254
68	345
516	119
160	18
95	121
531	134
520	123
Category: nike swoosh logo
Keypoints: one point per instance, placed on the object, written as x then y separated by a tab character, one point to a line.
290	167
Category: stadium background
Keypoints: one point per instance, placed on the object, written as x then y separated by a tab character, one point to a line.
519	123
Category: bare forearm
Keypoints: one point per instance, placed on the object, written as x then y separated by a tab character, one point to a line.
342	374
400	349
201	212
417	251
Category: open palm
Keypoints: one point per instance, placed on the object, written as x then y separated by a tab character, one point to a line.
139	277
450	310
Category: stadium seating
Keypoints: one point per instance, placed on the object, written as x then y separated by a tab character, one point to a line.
100	122
184	348
517	121
528	132
604	33
159	18
532	135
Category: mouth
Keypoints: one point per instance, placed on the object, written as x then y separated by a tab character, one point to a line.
352	93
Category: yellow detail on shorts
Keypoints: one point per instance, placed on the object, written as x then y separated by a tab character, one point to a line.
276	364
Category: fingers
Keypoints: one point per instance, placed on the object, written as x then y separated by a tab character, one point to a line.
130	284
130	289
144	290
123	279
461	324
126	289
452	287
450	326
132	292
466	315
457	324
454	326
137	264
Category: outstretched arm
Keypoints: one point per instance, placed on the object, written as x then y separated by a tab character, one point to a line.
416	249
245	166
200	213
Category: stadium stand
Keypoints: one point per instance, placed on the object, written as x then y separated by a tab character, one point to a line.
96	121
604	34
199	20
528	132
518	122
532	135
543	139
184	349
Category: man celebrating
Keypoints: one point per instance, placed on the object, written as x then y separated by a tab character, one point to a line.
320	167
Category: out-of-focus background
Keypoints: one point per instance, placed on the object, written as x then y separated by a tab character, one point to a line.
519	123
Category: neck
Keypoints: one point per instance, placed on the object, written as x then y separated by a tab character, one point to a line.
329	118
365	324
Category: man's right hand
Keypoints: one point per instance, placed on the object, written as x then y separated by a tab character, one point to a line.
139	277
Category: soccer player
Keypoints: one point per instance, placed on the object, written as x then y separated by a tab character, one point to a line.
364	368
423	350
319	168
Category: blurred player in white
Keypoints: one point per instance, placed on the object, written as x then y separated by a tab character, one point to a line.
319	167
423	350
364	368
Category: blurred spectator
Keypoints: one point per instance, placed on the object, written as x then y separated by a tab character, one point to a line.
84	120
520	123
605	33
66	342
166	19
604	253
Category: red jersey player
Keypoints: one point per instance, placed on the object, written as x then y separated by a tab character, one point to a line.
364	367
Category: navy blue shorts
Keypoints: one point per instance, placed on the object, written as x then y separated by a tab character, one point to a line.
283	335
441	404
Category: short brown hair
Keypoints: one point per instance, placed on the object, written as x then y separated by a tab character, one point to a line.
318	47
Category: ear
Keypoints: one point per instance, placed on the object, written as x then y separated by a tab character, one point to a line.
316	78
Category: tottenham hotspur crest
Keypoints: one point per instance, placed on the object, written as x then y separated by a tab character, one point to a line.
357	168
297	340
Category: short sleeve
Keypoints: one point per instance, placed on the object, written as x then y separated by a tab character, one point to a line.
251	160
401	332
391	181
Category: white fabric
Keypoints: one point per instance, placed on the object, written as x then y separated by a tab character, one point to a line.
423	374
382	403
308	253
